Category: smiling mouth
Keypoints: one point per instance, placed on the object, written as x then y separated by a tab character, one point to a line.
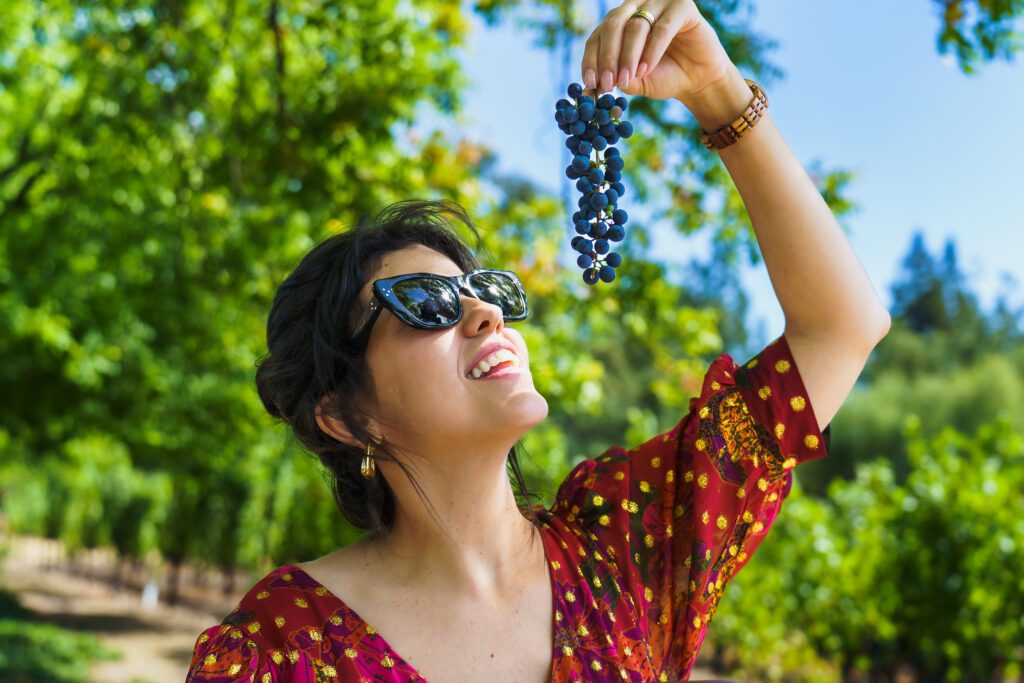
500	368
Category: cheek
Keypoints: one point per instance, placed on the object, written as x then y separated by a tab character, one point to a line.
517	339
413	386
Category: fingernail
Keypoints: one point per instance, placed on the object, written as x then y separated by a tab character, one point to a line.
590	78
624	78
641	70
606	80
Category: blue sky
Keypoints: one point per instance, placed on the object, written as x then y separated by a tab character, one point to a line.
864	89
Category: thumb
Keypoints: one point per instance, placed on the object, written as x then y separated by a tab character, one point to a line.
637	86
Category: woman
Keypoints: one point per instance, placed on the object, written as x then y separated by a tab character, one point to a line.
381	376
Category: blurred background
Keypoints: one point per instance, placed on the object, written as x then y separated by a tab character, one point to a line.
165	163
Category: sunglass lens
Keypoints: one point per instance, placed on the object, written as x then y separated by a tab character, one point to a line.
501	290
431	301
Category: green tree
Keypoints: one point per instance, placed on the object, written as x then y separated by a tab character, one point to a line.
161	169
977	31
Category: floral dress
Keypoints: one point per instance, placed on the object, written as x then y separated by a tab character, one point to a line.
640	544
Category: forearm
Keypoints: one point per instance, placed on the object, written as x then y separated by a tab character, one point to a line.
817	277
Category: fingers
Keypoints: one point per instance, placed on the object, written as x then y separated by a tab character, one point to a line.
590	51
633	41
602	66
666	27
610	45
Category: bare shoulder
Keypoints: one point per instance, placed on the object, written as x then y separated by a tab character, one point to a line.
342	570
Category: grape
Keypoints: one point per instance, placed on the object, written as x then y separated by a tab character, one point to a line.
595	126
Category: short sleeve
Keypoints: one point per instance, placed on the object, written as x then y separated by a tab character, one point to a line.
225	654
683	512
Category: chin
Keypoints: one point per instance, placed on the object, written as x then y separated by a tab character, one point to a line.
533	408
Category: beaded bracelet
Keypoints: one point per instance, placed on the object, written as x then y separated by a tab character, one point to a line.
727	135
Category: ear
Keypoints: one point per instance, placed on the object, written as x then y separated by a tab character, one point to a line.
334	427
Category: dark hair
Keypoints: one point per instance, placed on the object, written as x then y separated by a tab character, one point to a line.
310	356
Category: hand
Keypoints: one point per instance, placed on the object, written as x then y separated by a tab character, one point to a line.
682	53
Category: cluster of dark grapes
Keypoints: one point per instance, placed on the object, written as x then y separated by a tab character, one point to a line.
593	127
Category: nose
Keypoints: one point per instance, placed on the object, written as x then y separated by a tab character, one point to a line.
479	316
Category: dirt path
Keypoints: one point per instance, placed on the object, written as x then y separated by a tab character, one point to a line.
156	643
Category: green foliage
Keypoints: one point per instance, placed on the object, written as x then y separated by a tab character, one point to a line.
881	575
980	30
164	166
36	651
944	360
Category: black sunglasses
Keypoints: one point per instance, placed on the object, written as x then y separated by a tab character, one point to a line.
428	301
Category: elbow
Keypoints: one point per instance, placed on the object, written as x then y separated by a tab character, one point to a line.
885	323
864	331
875	332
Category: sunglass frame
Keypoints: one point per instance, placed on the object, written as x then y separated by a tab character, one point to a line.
384	297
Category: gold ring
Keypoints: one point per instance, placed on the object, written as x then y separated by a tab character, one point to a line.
646	15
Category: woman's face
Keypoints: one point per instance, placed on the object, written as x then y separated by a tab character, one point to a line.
428	400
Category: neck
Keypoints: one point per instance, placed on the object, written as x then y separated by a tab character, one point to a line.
486	549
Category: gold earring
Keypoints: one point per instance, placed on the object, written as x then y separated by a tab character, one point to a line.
369	468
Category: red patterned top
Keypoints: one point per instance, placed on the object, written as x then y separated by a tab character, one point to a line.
640	545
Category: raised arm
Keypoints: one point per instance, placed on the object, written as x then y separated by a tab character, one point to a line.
834	317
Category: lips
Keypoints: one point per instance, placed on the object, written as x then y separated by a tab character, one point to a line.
486	350
503	370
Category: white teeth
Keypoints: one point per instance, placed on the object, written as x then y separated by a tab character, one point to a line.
499	356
